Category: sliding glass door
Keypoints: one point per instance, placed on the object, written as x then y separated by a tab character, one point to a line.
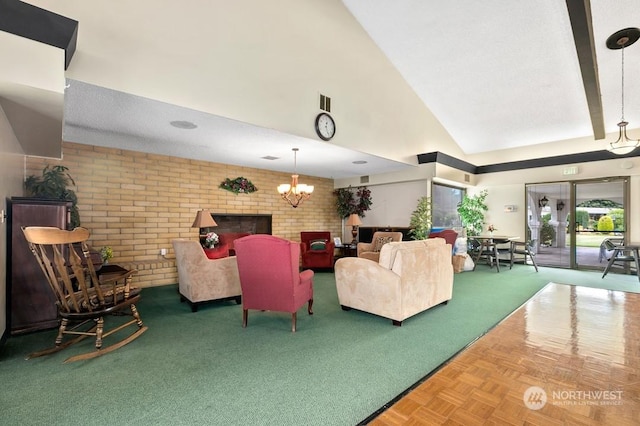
548	205
599	214
567	222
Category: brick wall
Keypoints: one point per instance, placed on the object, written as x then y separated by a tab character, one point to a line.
137	203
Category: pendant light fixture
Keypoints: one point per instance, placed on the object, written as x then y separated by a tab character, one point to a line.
620	40
295	193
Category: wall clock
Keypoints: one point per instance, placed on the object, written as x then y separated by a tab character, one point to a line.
325	126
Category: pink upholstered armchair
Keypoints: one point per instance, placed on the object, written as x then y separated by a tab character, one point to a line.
270	276
317	249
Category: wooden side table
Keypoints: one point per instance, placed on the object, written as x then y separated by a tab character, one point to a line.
347	250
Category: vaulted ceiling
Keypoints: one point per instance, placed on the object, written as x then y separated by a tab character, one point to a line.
495	74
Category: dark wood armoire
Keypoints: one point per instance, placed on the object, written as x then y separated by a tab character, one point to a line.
30	302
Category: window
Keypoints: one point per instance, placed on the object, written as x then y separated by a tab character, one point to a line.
444	201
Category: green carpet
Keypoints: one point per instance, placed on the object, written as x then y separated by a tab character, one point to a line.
337	369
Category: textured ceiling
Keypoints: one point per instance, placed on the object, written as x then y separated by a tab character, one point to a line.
103	117
502	74
496	74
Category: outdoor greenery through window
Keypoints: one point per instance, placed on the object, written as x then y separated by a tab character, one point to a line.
445	200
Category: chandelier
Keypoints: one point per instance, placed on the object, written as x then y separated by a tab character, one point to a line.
295	193
620	40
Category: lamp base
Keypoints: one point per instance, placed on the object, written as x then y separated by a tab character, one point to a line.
354	234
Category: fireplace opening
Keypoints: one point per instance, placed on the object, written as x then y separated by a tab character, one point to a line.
235	223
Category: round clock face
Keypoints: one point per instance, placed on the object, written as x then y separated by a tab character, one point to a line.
325	126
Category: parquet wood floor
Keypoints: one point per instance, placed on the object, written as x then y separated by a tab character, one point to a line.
570	355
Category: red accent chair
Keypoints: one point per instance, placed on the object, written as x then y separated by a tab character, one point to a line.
317	249
449	235
270	276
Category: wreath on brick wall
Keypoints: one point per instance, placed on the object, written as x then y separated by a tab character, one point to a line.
239	185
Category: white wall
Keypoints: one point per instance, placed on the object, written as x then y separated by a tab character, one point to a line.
509	188
395	196
12	162
259	65
390	209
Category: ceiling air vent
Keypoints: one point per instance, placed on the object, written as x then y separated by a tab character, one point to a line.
325	103
364	179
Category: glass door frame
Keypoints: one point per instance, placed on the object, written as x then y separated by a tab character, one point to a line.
531	196
573	228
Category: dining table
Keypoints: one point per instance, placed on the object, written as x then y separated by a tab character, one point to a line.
488	248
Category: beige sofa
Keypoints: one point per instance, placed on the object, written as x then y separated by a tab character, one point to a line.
410	277
201	279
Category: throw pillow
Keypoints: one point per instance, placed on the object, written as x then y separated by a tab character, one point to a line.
318	245
380	241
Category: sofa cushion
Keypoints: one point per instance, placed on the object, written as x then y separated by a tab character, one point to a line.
380	241
318	245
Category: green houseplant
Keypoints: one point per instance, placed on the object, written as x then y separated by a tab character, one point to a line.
350	200
420	222
471	210
54	184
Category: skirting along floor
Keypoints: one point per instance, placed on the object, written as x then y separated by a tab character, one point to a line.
569	355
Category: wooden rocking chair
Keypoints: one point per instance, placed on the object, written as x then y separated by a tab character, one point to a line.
83	297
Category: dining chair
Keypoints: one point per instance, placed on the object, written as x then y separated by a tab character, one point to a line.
522	250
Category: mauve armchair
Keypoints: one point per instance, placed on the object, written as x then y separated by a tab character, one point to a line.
320	253
270	276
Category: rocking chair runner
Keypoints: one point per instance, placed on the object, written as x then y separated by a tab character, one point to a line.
83	298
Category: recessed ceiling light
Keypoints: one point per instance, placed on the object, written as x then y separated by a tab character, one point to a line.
359	162
270	157
187	125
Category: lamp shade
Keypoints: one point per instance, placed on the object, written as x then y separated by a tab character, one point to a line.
203	220
354	220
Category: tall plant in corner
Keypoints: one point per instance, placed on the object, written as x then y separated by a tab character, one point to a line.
471	210
53	184
420	222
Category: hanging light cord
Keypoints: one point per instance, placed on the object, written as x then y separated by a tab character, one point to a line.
622	96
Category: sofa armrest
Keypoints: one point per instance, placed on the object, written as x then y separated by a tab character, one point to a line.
365	285
363	247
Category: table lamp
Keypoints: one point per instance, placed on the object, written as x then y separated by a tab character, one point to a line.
203	220
354	221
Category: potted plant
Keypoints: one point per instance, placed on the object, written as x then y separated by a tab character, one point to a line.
349	201
54	184
471	210
420	222
106	253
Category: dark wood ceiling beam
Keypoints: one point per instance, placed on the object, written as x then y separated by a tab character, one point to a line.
582	27
41	25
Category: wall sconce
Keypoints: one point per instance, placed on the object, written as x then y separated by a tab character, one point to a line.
354	221
560	205
542	202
